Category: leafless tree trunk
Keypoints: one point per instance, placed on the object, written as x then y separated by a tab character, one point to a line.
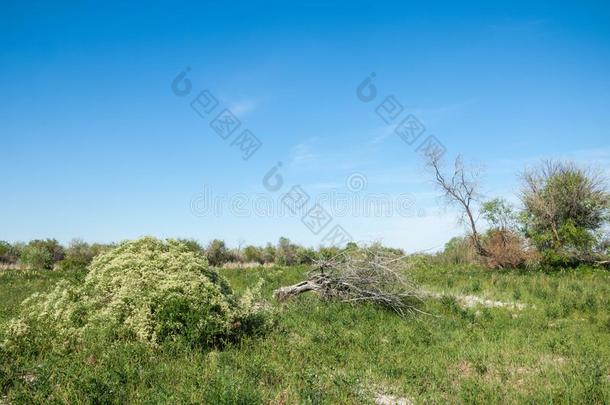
461	189
284	293
372	274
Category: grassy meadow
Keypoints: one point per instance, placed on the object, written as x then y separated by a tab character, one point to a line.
554	350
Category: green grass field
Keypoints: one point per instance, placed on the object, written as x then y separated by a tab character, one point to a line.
555	350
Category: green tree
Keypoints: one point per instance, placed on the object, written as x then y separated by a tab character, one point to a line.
192	245
52	246
79	254
500	214
268	254
285	254
565	207
253	254
217	253
305	255
5	251
36	257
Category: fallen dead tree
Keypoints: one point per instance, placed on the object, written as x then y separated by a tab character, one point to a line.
372	274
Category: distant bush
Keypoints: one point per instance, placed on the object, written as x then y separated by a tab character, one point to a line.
192	245
268	253
145	290
79	255
217	253
253	254
328	252
458	251
305	255
9	254
42	254
52	246
285	254
235	256
36	257
5	249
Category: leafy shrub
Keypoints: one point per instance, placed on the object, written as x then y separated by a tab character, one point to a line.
268	254
79	255
564	208
217	253
329	252
5	248
305	255
42	254
145	290
192	245
500	214
285	255
9	254
253	254
50	245
234	256
458	251
36	257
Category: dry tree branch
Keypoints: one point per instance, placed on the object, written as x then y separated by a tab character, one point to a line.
370	274
460	189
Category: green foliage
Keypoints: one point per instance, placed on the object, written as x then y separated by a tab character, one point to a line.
564	208
268	254
253	254
458	251
305	255
79	255
328	252
217	253
556	350
351	246
36	257
285	255
499	213
234	256
50	245
42	254
147	291
5	249
9	254
192	245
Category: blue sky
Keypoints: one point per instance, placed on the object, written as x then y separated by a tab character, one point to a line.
94	143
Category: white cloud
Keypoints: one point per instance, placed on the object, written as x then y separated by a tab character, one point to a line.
302	153
244	107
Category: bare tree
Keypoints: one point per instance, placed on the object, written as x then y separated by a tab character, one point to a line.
460	189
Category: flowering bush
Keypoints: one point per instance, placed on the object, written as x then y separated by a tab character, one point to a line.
145	290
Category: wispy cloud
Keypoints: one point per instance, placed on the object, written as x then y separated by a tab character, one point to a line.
380	135
302	153
244	107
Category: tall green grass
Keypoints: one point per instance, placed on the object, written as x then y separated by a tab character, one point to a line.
557	349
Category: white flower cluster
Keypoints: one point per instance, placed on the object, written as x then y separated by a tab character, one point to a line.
146	290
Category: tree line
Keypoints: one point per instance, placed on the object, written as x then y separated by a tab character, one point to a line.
49	253
561	221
